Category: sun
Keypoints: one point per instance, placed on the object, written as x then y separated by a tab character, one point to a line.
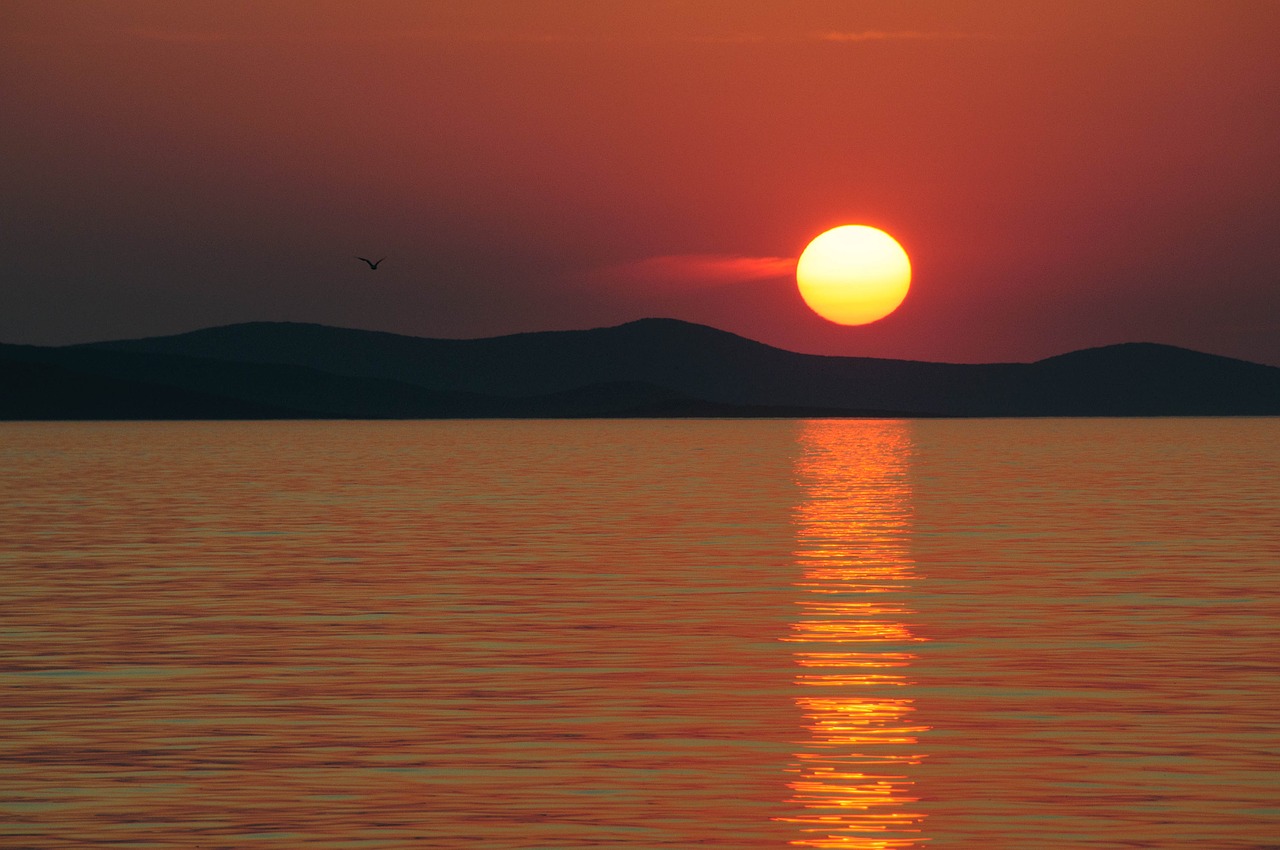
853	274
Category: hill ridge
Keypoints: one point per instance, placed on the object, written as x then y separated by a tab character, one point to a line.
649	364
648	321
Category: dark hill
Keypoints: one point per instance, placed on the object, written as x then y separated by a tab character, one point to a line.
48	391
1146	379
88	383
692	360
652	367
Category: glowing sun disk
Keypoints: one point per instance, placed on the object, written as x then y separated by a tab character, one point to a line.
853	274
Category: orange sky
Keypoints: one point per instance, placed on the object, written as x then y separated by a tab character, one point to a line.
1063	174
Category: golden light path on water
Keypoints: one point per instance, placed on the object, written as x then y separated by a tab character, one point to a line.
635	634
851	784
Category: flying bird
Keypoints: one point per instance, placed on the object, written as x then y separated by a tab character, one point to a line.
372	263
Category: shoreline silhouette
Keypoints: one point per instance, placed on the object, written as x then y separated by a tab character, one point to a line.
646	368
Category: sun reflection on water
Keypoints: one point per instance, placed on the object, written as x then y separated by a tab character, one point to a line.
851	784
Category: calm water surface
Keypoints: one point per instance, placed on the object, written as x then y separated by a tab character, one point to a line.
877	635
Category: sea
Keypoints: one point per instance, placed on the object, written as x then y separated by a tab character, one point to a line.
855	634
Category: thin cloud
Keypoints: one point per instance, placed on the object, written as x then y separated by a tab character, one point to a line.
478	37
704	269
182	36
360	36
898	35
832	36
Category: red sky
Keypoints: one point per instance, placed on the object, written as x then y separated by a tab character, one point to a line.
1062	174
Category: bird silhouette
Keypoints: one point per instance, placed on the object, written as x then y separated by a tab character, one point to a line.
372	263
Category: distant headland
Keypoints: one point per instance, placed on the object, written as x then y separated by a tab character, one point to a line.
646	368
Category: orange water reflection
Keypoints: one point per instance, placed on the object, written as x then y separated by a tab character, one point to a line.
852	785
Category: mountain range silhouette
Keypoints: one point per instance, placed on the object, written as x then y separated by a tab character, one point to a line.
650	367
